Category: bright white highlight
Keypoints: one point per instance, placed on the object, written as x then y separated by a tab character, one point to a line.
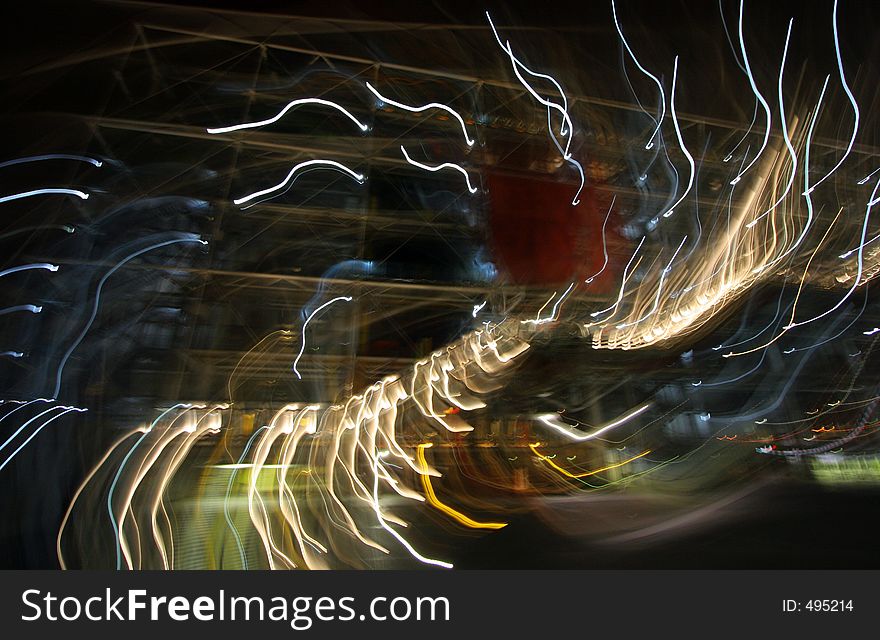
445	165
566	129
684	150
51	156
41	192
550	421
849	95
424	107
552	317
291	105
29	267
785	135
21	307
647	73
329	164
758	95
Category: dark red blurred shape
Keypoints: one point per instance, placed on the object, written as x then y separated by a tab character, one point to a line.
539	237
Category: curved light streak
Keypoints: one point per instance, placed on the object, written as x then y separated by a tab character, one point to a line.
51	156
684	150
29	267
445	165
97	303
849	95
290	105
424	107
330	164
604	243
647	73
302	345
768	119
40	192
573	434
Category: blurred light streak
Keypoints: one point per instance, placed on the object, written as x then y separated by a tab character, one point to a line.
388	528
290	105
302	346
574	434
681	143
94	314
458	516
604	242
852	101
21	307
760	98
785	135
29	267
79	491
552	317
320	164
647	73
430	105
36	431
566	128
445	165
41	192
534	448
51	156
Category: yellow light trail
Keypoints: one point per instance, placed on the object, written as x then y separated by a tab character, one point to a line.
435	502
534	448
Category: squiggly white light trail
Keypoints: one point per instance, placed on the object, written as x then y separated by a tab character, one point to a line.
424	107
445	165
290	105
321	164
302	345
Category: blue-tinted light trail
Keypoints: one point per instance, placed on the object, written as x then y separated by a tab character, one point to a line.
97	303
302	345
40	192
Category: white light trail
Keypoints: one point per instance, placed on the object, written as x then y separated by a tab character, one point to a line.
566	128
573	433
430	105
785	135
684	150
288	107
849	95
479	307
328	164
37	430
387	527
604	243
758	95
552	317
445	165
623	282
302	345
21	307
868	177
29	267
40	192
654	78
663	275
51	156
